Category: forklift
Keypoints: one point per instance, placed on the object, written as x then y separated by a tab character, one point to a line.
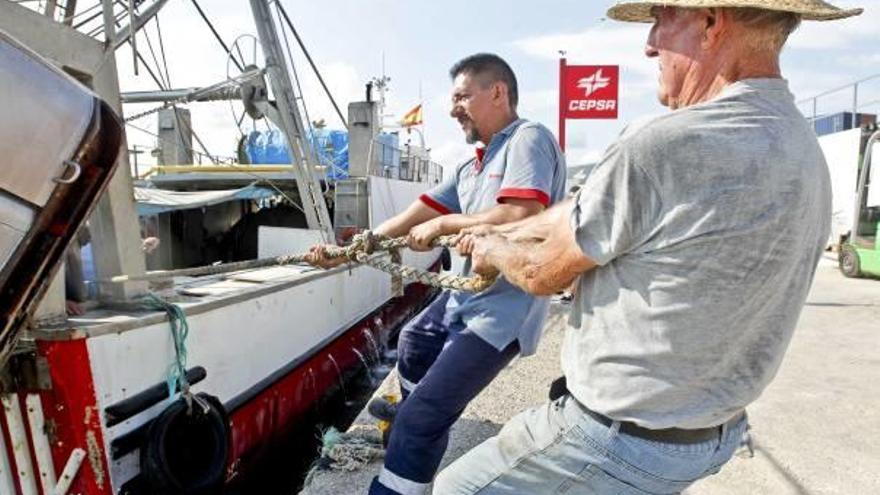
859	251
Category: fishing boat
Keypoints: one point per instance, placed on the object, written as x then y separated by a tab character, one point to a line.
182	391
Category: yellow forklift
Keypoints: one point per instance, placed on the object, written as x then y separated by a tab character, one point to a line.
859	251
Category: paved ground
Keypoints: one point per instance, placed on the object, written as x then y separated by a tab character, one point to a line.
816	429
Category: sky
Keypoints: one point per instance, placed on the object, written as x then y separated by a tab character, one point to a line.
415	42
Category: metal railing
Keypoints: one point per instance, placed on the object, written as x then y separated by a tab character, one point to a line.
402	164
855	97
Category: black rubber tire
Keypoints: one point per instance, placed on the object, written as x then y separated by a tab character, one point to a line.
848	261
187	454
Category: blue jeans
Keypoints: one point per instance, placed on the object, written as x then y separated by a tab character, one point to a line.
559	448
442	368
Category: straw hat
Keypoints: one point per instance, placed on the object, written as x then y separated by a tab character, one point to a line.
810	10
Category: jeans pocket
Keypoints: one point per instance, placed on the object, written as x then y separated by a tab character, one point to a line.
666	467
684	450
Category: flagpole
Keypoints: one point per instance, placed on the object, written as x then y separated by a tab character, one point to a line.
562	101
422	105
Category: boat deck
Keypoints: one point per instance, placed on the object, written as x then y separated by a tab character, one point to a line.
195	294
814	429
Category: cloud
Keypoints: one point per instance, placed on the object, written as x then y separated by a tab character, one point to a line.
849	33
344	83
538	102
616	44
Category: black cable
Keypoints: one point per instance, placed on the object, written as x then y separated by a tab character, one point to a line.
142	59
162	51
311	62
147	66
180	123
89	19
164	77
100	29
216	34
168	78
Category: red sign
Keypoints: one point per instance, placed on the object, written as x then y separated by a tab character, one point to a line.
589	91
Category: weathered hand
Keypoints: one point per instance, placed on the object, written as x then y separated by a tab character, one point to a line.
464	242
421	235
480	257
318	257
481	230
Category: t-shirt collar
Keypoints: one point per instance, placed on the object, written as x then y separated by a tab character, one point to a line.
499	137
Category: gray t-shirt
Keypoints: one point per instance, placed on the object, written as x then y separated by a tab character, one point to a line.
707	223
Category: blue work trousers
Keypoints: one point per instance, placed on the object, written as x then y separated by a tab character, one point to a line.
442	367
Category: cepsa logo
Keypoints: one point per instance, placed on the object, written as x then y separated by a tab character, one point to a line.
590	92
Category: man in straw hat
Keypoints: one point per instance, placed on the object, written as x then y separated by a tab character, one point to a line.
695	238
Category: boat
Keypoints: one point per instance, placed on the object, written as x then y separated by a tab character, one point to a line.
183	391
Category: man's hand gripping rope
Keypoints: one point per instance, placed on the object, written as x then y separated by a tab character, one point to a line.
365	244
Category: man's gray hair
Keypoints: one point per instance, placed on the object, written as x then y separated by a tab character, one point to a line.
774	26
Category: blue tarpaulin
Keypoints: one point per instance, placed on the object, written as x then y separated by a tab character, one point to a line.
331	147
270	148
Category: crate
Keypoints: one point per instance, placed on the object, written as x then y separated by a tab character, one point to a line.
842	121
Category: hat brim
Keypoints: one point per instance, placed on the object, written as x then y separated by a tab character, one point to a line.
641	11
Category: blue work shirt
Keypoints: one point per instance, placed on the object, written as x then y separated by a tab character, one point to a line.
523	161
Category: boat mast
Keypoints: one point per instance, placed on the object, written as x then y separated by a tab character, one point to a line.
309	186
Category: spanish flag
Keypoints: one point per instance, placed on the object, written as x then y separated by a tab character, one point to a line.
413	117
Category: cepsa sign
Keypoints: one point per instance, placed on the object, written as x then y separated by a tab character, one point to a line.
589	91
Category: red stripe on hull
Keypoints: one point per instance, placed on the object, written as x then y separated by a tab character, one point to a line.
72	407
74	420
274	411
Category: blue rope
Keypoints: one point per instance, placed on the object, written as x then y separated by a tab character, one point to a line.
179	332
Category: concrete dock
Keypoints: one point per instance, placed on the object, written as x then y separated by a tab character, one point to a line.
816	429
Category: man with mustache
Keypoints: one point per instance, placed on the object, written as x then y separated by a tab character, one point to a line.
461	341
695	240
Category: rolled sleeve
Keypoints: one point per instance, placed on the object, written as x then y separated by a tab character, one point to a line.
616	210
532	163
444	196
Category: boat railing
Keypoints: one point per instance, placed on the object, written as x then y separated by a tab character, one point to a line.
407	163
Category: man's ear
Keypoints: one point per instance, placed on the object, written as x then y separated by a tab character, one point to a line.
499	93
716	22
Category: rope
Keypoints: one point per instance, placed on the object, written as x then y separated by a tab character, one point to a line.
349	451
360	251
179	332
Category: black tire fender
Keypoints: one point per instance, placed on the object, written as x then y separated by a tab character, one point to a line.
188	453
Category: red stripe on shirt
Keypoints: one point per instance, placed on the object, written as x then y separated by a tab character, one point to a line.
428	200
480	152
516	193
